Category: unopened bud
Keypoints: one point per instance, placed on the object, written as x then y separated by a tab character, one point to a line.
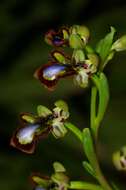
120	44
119	159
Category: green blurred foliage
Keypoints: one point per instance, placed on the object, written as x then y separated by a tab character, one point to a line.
22	50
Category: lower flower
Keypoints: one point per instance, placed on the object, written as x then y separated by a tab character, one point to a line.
33	128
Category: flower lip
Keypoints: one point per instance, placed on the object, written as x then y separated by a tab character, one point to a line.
29	147
50	73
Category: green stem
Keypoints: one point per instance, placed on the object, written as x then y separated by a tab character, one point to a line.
93	110
75	130
101	178
100	85
94	127
84	186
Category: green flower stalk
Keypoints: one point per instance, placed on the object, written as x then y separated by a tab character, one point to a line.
86	65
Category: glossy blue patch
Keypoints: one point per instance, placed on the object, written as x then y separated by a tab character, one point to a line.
52	71
57	41
40	188
26	134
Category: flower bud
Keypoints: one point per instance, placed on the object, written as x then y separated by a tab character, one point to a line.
120	44
119	159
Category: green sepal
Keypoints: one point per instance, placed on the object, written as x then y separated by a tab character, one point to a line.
62	105
58	167
89	148
43	111
89	168
103	48
75	42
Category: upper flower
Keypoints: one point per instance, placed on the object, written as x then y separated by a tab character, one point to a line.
62	65
75	37
80	63
59	38
39	126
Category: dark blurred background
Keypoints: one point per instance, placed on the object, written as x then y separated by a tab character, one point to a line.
23	24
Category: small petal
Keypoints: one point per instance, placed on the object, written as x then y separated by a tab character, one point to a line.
43	111
27	118
39	180
59	57
65	33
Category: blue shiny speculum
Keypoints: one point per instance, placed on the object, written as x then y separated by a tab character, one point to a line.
26	134
53	71
40	188
57	41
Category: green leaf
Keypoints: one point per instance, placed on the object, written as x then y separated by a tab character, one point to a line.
104	46
101	83
114	186
84	185
58	167
43	111
103	95
89	148
89	168
75	130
